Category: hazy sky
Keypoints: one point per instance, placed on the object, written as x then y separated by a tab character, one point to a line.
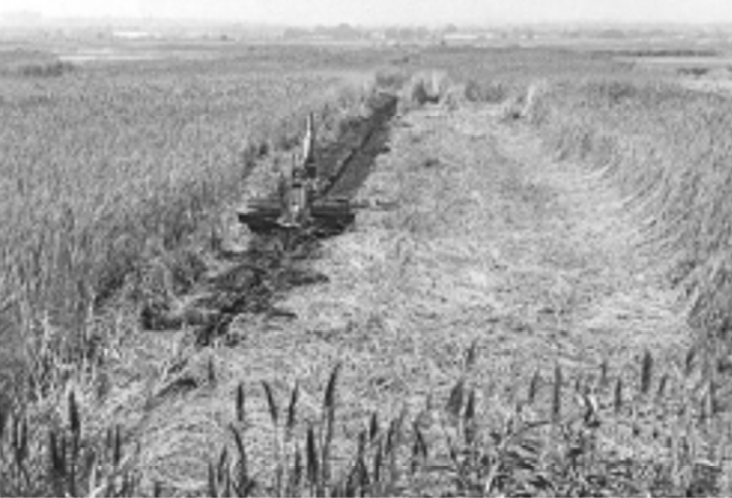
389	11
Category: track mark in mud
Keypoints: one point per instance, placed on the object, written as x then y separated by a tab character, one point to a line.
279	261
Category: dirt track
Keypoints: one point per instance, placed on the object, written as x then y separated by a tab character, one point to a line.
490	240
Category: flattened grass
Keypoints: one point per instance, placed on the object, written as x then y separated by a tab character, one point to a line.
669	151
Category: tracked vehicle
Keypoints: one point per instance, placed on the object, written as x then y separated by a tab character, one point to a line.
301	200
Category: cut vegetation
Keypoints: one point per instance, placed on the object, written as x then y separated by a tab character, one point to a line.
533	298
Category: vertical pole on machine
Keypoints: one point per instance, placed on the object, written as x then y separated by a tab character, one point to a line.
308	147
297	191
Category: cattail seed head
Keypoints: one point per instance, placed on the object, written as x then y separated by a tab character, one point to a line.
117	446
292	409
557	394
663	383
471	355
240	404
618	396
74	418
534	387
455	400
374	426
646	373
330	391
378	462
604	374
689	361
4	415
271	403
469	414
311	453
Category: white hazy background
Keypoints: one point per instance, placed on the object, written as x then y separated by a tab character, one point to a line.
388	12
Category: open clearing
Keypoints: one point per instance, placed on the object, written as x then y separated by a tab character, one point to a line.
488	240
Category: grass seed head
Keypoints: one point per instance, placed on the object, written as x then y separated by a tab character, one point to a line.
271	403
20	440
311	452
455	400
689	361
534	387
557	394
4	415
469	415
378	462
604	374
74	418
330	391
618	396
240	404
374	426
117	446
471	355
211	371
662	385
646	373
292	409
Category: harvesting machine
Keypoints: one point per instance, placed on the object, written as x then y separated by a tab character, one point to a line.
301	200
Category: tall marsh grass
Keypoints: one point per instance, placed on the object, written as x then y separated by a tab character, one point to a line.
101	170
669	152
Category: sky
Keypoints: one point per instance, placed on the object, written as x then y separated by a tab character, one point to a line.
380	12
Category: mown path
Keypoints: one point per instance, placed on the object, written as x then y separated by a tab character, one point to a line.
490	240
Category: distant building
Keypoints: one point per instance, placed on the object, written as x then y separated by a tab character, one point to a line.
341	32
133	35
464	38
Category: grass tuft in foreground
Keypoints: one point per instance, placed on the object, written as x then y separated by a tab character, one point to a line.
579	433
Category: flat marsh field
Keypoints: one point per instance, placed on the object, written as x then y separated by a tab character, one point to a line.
533	298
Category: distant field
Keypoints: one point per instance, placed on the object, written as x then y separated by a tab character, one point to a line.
682	61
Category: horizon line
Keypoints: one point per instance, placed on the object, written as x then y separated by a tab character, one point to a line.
41	18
